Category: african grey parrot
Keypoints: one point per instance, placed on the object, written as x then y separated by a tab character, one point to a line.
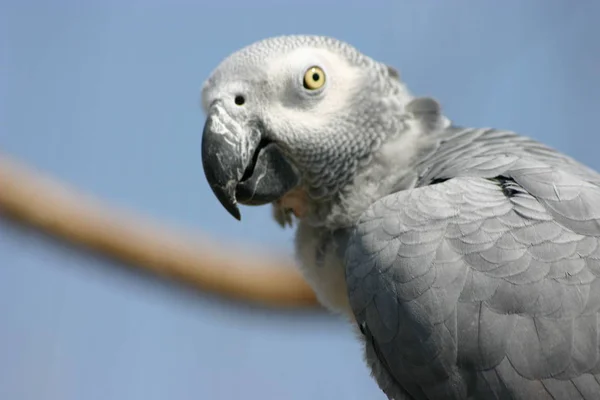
467	258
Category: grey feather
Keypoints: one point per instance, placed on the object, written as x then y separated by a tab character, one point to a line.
482	280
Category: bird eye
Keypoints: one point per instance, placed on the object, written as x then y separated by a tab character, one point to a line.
314	78
239	100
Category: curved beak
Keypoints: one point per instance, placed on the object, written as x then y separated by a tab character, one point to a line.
241	165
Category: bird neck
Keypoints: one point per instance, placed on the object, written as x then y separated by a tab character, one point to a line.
391	168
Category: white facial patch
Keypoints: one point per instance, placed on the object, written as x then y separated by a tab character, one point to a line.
287	71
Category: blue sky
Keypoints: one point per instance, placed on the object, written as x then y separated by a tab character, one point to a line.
105	96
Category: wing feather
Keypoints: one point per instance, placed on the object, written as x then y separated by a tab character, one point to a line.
483	286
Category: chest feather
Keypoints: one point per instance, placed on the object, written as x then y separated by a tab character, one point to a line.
320	257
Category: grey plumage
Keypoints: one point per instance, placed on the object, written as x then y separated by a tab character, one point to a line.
467	258
484	285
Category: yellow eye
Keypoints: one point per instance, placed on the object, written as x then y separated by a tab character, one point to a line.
314	78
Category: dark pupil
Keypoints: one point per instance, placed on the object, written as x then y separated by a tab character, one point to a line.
239	100
316	77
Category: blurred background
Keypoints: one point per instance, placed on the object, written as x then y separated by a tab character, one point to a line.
104	95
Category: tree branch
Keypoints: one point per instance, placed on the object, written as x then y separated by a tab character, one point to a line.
53	207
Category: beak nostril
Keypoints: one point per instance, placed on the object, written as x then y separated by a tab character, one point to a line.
239	100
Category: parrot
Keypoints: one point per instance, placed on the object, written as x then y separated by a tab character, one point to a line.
466	260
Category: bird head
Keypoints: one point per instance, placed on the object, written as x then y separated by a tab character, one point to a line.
295	113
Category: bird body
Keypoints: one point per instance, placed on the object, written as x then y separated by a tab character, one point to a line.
467	259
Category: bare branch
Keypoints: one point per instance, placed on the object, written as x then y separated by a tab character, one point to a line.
53	207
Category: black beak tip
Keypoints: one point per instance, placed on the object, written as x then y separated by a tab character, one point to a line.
228	202
235	212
